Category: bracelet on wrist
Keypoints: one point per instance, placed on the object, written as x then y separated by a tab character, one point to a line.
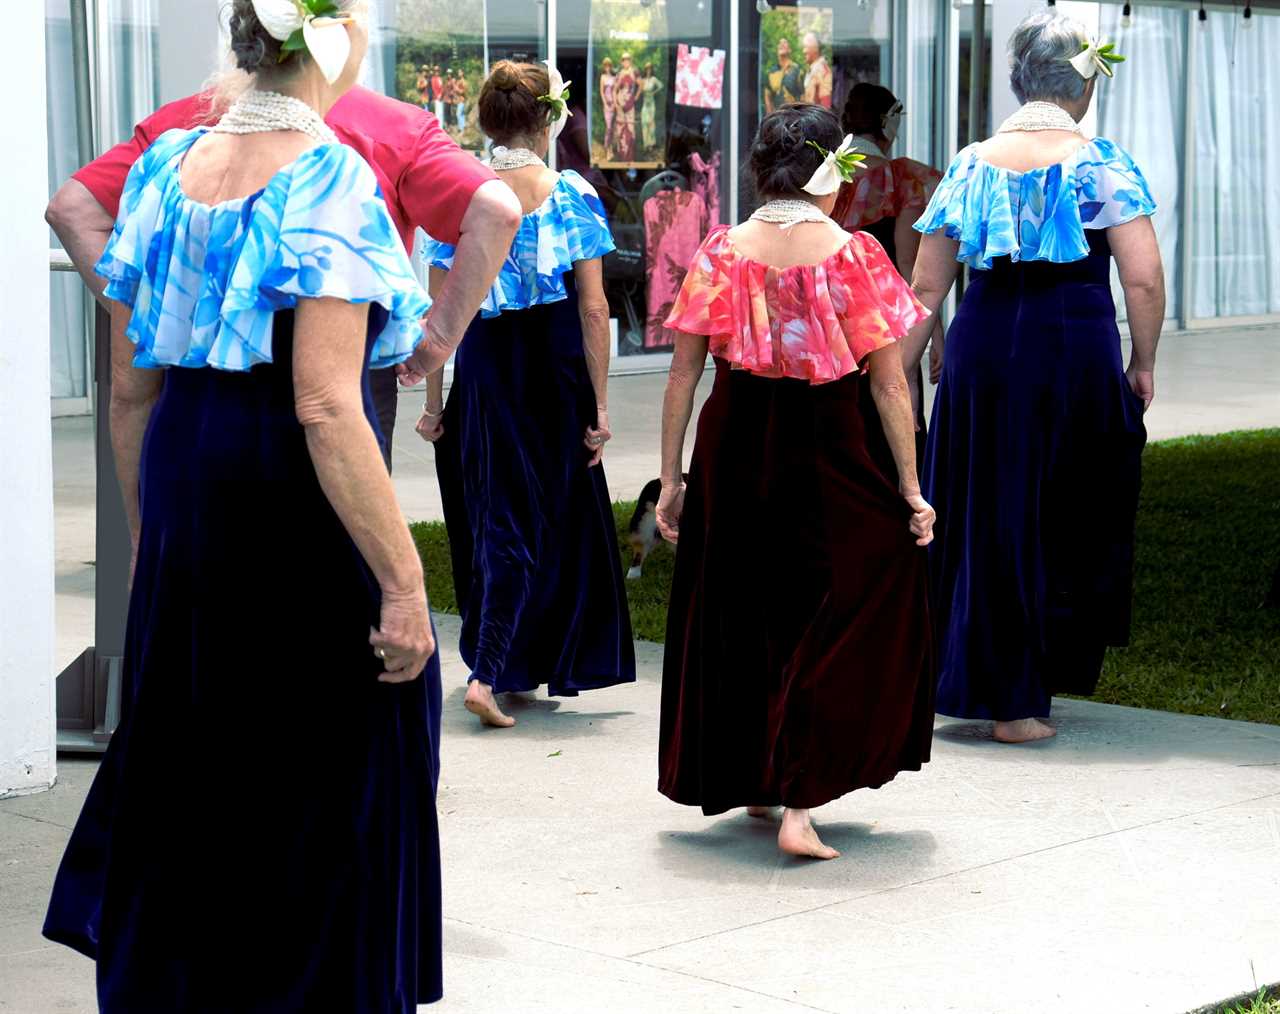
426	410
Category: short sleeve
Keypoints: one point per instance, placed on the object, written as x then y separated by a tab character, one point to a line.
439	181
323	231
105	176
1112	189
704	304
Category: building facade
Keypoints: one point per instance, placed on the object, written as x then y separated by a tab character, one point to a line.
667	94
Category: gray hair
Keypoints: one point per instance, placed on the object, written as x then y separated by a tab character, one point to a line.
1039	51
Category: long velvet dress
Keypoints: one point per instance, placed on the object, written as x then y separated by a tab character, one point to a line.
536	563
1034	455
798	662
261	835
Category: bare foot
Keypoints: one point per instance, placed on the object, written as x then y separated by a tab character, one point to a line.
1025	730
480	701
760	812
798	837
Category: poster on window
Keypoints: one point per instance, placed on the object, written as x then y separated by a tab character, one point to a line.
441	62
699	77
796	57
628	63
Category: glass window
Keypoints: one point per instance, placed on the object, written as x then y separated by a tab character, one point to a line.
650	132
1236	261
1142	109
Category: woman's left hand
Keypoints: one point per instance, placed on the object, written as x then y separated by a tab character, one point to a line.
922	518
430	425
597	436
1143	384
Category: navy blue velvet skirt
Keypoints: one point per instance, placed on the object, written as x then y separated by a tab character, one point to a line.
536	562
261	835
1034	467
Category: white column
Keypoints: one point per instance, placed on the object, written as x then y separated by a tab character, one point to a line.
27	723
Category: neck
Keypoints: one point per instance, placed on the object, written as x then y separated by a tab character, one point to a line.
538	146
309	87
879	142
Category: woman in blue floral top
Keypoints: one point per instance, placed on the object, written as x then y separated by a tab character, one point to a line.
261	835
1036	437
519	446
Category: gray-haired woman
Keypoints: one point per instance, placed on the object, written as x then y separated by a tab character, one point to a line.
1036	438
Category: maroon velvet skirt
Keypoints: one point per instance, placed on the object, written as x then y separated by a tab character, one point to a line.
799	663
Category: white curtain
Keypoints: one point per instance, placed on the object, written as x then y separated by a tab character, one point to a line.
1142	110
1236	259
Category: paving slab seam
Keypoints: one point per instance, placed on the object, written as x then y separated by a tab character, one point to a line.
626	959
950	873
39	820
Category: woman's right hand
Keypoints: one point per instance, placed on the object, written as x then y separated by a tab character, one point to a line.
670	507
1143	384
403	640
922	518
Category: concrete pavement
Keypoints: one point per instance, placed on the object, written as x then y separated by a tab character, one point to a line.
1132	864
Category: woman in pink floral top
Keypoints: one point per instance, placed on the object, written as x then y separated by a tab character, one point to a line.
799	664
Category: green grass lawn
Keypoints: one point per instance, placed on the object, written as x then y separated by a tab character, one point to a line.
1208	543
1264	1002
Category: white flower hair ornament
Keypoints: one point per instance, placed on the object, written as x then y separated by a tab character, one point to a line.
317	27
837	167
1094	59
557	98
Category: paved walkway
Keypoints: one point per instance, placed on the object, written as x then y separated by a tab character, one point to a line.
1131	865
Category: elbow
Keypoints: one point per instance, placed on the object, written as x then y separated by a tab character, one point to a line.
499	208
595	317
324	406
1144	287
59	212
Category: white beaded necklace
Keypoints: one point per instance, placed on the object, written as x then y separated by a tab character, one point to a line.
787	213
1040	116
258	112
513	158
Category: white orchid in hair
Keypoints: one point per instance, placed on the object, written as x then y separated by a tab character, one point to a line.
317	27
557	98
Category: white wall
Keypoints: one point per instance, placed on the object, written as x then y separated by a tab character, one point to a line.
27	724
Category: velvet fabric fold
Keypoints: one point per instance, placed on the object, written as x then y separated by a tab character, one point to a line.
798	664
1034	465
261	835
536	562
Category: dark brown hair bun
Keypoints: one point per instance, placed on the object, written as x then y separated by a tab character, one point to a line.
509	106
782	160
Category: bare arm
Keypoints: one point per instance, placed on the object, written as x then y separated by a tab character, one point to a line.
488	227
893	402
83	226
328	359
134	393
935	272
1137	257
431	423
906	242
687	364
593	311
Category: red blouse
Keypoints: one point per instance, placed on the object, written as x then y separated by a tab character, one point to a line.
885	189
815	322
425	178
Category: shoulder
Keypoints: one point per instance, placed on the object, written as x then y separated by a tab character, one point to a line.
184	114
572	180
328	173
909	168
385	121
1102	151
167	147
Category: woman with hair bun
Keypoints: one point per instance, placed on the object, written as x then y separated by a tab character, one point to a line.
1035	445
255	276
520	443
798	664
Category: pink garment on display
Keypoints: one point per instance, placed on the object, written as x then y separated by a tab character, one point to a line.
699	76
705	183
674	223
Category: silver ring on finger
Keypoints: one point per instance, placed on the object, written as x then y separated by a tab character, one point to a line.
382	654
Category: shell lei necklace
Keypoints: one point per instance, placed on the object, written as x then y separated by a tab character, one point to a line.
258	112
787	213
1040	116
513	158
